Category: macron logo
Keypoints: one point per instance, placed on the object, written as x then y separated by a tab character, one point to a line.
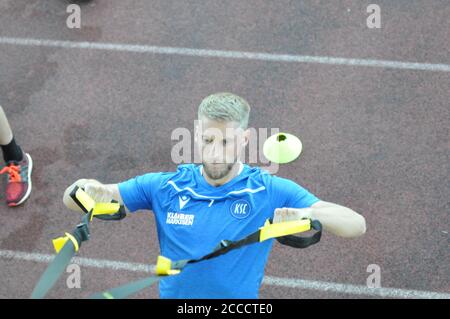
183	201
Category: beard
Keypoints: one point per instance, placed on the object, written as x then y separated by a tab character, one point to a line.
217	171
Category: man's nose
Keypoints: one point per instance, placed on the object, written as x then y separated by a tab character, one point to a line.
216	152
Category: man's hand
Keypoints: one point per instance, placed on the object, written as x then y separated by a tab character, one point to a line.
99	192
286	214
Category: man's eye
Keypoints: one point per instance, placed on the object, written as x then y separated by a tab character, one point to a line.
207	141
224	142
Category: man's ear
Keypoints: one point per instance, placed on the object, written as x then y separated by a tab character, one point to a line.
196	132
246	137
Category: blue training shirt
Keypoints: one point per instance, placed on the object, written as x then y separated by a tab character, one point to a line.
192	217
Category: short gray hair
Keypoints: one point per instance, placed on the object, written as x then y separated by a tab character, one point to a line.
225	106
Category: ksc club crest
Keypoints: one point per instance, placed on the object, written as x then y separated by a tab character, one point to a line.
240	209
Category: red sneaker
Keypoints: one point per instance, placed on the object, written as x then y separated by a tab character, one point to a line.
18	188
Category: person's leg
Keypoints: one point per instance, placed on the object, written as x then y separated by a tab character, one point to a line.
5	130
11	151
18	165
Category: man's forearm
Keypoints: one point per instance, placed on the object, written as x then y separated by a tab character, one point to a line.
339	220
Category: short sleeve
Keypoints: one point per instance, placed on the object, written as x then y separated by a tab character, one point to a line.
289	194
137	193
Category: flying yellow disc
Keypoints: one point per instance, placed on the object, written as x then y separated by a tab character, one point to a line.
282	148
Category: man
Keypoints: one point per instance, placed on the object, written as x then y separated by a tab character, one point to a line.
18	165
199	205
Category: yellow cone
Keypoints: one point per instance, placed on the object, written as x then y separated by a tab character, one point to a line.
282	148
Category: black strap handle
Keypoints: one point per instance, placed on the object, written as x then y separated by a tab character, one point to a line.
303	242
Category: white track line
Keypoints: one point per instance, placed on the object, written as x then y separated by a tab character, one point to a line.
88	262
354	289
225	54
268	280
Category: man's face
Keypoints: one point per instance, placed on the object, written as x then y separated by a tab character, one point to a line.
220	145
